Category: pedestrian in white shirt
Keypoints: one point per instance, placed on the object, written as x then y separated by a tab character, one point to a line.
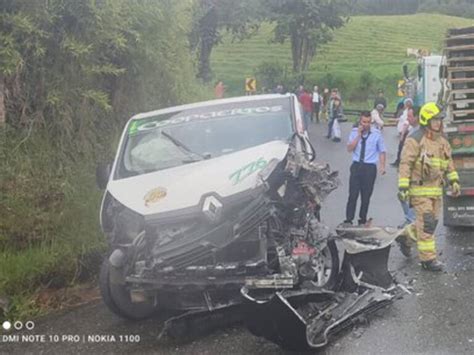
403	126
316	104
377	116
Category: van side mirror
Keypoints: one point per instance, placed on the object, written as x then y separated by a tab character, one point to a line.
102	173
443	71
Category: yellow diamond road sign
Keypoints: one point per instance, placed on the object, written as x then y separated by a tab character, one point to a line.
250	84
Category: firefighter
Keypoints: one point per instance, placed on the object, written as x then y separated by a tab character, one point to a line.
426	158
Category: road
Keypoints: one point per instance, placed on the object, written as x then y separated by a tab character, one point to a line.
436	319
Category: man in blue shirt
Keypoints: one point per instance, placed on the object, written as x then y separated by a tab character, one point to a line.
367	147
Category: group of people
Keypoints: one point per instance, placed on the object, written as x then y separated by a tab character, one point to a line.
425	163
423	158
326	105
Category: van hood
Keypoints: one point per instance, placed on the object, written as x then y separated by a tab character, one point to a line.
183	186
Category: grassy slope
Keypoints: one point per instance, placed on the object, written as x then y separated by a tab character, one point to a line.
367	43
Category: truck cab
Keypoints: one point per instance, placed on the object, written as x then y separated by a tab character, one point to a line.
423	83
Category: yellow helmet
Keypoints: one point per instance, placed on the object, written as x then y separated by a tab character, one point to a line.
430	110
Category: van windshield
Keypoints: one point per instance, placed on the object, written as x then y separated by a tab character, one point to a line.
173	139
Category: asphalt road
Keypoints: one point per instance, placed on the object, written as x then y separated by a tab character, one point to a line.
438	318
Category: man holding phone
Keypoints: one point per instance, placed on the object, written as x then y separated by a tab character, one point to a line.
368	148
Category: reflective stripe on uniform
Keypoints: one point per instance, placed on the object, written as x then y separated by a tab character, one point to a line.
403	182
426	246
436	163
426	191
452	176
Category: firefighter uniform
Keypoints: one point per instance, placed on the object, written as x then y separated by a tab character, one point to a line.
426	159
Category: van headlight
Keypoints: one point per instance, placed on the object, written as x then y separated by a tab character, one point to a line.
120	223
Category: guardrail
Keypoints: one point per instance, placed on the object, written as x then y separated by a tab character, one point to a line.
352	112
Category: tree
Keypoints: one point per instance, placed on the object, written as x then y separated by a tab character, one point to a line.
307	24
211	18
205	35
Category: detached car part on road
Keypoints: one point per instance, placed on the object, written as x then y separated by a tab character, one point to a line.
216	204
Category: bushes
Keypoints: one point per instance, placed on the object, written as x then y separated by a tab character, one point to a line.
49	225
271	74
79	68
41	190
74	71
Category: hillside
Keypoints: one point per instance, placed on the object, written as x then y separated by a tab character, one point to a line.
375	44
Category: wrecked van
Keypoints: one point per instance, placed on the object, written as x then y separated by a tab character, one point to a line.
184	211
215	205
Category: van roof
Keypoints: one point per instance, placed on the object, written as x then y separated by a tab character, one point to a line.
140	116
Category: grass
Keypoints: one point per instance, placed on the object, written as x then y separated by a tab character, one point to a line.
375	44
25	271
49	230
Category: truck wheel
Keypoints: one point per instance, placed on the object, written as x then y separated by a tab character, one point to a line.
117	296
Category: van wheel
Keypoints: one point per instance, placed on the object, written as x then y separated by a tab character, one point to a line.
326	266
117	296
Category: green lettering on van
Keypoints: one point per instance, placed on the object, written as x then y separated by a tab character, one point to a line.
247	170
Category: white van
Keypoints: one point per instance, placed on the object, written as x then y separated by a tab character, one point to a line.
183	208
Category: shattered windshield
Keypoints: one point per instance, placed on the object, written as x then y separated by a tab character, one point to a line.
173	139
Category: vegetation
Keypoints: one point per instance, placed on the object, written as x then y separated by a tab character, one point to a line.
239	19
307	25
385	7
462	8
71	73
368	48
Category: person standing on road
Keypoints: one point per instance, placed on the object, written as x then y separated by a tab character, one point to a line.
335	113
219	90
402	127
368	148
426	158
307	104
316	104
377	116
399	109
408	211
325	102
299	91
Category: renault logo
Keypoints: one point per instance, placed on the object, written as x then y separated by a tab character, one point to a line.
212	208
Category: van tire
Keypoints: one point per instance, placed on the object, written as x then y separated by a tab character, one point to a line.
117	297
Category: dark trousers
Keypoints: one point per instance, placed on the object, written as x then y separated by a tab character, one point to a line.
361	181
330	124
315	111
